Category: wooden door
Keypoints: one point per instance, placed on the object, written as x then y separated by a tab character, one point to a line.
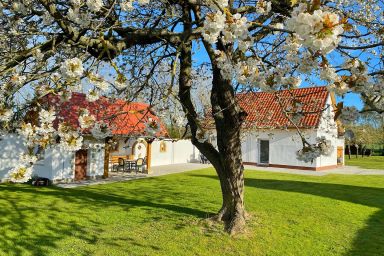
340	155
264	151
81	164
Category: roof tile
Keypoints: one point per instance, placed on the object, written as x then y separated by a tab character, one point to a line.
123	118
265	109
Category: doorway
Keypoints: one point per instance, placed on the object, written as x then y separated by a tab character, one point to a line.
81	164
340	151
264	151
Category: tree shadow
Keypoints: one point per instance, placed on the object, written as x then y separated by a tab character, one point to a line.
370	239
21	211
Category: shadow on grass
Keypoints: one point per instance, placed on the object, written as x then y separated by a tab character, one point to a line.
21	212
369	240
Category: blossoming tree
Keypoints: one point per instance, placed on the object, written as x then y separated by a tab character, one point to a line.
121	47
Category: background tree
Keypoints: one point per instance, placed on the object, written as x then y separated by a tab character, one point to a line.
121	48
368	132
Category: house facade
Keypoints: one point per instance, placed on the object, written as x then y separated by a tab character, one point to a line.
270	138
271	133
128	138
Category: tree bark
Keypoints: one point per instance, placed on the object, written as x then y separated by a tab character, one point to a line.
349	151
228	119
227	158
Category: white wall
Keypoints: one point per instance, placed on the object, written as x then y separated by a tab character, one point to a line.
63	164
11	146
185	152
182	151
283	146
43	167
125	148
95	161
56	163
328	129
161	158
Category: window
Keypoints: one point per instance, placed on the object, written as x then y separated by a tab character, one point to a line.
163	147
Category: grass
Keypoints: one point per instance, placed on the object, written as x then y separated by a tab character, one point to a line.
372	162
291	215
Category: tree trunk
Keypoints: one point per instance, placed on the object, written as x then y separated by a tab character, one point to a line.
232	211
228	118
349	151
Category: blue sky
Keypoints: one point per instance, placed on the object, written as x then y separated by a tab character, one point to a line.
350	99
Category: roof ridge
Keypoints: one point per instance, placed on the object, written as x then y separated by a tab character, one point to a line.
81	94
283	90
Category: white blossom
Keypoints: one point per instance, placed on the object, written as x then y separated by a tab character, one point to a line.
293	82
101	131
310	152
5	113
126	5
213	25
72	68
263	7
218	4
20	174
339	87
120	85
74	15
278	26
47	18
19	7
307	63
27	131
93	96
28	158
143	2
38	54
47	116
75	3
99	82
349	115
318	31
328	74
234	29
86	120
81	18
152	127
18	79
71	141
95	5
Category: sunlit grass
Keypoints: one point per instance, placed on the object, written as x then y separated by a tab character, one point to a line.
290	215
371	162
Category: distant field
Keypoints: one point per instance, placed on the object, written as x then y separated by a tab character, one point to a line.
371	162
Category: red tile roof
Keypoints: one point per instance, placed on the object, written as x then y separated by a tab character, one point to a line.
122	117
265	109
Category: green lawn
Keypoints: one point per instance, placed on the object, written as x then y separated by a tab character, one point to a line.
372	162
291	215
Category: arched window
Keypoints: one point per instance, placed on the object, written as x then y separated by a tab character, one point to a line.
139	148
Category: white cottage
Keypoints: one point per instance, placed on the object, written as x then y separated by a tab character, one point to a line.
269	138
130	141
